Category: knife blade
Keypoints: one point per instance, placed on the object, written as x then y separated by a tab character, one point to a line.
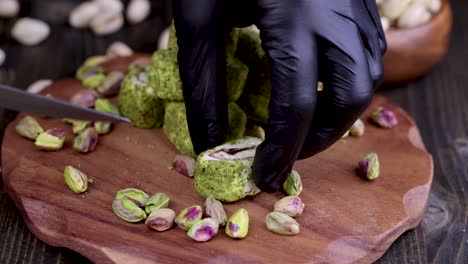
19	100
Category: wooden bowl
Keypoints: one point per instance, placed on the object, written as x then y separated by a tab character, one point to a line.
413	51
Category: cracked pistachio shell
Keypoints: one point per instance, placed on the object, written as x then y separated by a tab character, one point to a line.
290	205
139	197
157	201
203	230
86	140
75	179
215	210
52	139
189	216
238	224
28	127
369	167
104	105
293	184
161	219
282	224
127	210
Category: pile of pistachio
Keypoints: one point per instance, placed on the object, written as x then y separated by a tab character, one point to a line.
134	205
407	13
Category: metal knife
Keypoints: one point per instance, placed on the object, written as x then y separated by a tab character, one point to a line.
19	100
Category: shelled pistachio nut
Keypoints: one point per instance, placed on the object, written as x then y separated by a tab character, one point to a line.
94	81
76	180
84	98
203	230
238	224
293	184
103	128
51	139
290	205
86	140
138	196
157	201
189	216
127	210
185	165
357	129
384	117
28	127
104	105
282	224
87	71
79	126
111	84
369	166
161	219
215	210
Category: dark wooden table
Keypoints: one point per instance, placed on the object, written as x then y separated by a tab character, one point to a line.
438	103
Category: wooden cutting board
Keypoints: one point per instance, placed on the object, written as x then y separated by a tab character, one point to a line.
346	220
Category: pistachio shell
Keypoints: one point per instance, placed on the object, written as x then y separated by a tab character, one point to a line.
215	210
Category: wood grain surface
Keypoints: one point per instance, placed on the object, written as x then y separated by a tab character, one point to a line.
347	219
413	51
437	102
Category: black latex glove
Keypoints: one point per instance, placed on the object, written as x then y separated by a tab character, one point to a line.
340	42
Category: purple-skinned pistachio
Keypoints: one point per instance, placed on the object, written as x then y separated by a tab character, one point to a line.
215	210
369	166
238	224
28	127
160	219
203	230
189	216
52	139
86	141
84	98
111	84
185	165
127	210
384	117
290	205
76	180
138	196
282	224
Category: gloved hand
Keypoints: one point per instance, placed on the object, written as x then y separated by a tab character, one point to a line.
340	42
